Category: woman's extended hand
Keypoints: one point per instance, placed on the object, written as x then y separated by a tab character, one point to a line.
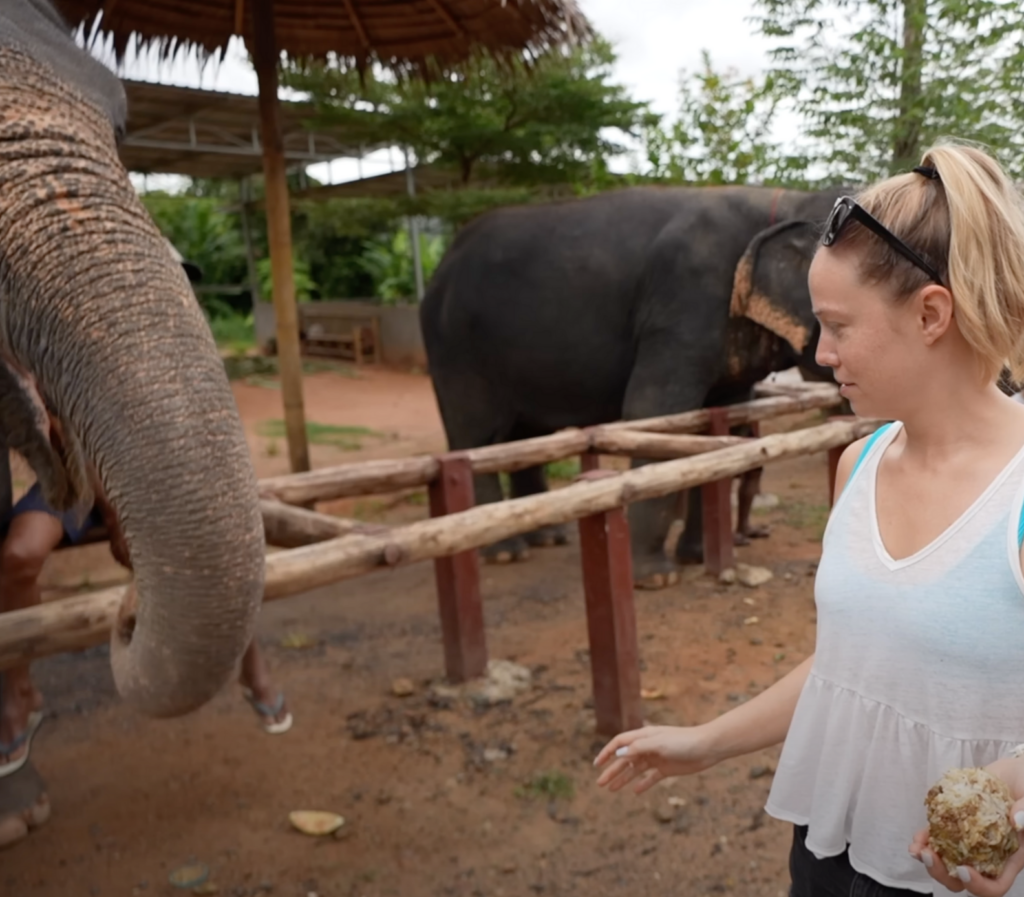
654	753
967	878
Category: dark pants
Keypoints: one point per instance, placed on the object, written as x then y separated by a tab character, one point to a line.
832	876
76	522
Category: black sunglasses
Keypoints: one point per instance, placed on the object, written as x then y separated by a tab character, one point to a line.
846	208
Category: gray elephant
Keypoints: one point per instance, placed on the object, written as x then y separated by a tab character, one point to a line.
101	333
630	304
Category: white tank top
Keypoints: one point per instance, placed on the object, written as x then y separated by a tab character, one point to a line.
919	668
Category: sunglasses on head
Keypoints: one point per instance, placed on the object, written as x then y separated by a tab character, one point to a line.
846	208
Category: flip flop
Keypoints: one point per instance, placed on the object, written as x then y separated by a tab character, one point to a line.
269	712
35	719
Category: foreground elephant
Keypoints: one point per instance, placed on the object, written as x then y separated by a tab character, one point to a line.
630	304
100	329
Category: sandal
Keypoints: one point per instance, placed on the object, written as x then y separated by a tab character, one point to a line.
35	719
269	712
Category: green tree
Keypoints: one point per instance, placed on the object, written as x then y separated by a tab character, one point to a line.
332	237
389	264
723	133
549	123
203	233
875	81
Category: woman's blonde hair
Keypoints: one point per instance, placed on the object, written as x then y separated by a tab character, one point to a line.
969	224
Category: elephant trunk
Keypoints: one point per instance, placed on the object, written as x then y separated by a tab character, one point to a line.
97	311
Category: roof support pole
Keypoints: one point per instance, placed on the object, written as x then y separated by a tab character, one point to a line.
414	231
279	232
245	194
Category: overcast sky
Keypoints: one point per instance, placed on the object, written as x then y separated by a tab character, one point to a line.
654	40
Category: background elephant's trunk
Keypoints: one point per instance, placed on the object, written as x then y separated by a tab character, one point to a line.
97	310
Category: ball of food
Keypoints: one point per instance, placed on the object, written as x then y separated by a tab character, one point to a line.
969	821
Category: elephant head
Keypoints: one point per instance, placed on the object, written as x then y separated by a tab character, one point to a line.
100	331
770	288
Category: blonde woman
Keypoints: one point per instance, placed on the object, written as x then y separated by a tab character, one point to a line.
919	662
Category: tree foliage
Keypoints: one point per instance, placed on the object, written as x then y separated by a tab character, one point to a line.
876	81
722	134
203	233
546	124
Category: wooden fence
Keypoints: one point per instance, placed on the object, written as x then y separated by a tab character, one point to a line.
323	549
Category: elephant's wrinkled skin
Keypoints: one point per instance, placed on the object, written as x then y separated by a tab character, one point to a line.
631	304
99	327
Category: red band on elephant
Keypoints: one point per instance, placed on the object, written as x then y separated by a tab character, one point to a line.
775	206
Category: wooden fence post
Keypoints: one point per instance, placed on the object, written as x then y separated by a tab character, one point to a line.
458	576
716	499
834	454
611	619
590	461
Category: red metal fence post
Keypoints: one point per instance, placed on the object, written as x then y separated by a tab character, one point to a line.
611	618
458	576
716	499
590	461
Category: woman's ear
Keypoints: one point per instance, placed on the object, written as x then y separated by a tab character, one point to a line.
935	312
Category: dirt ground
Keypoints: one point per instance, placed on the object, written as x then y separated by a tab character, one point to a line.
440	796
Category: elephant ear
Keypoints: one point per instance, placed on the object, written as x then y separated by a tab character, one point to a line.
770	283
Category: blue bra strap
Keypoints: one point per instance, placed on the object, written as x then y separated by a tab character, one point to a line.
1020	529
872	439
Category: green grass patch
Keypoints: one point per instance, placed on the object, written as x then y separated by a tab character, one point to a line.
234	332
256	369
263	382
348	439
807	516
547	785
243	367
566	469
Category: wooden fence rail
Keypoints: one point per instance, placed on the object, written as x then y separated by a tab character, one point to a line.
622	437
80	622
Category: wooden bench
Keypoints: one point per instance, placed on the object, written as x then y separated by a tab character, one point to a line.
342	333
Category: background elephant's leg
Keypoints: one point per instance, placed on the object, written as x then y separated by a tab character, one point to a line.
690	547
533	481
673	373
486	489
649	523
750	488
473	417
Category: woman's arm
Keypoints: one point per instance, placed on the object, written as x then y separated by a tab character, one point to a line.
653	753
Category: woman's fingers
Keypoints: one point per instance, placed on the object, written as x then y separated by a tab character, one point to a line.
937	870
649	781
622	740
620	778
919	843
628	771
988	887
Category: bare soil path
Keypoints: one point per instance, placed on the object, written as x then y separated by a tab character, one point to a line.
440	797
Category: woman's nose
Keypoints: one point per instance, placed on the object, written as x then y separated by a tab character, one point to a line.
825	354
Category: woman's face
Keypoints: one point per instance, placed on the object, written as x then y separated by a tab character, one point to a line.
870	342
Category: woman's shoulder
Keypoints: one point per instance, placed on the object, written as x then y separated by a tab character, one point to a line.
851	457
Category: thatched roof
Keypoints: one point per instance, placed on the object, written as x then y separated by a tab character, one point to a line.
399	33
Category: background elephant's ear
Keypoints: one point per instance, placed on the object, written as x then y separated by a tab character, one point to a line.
770	282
